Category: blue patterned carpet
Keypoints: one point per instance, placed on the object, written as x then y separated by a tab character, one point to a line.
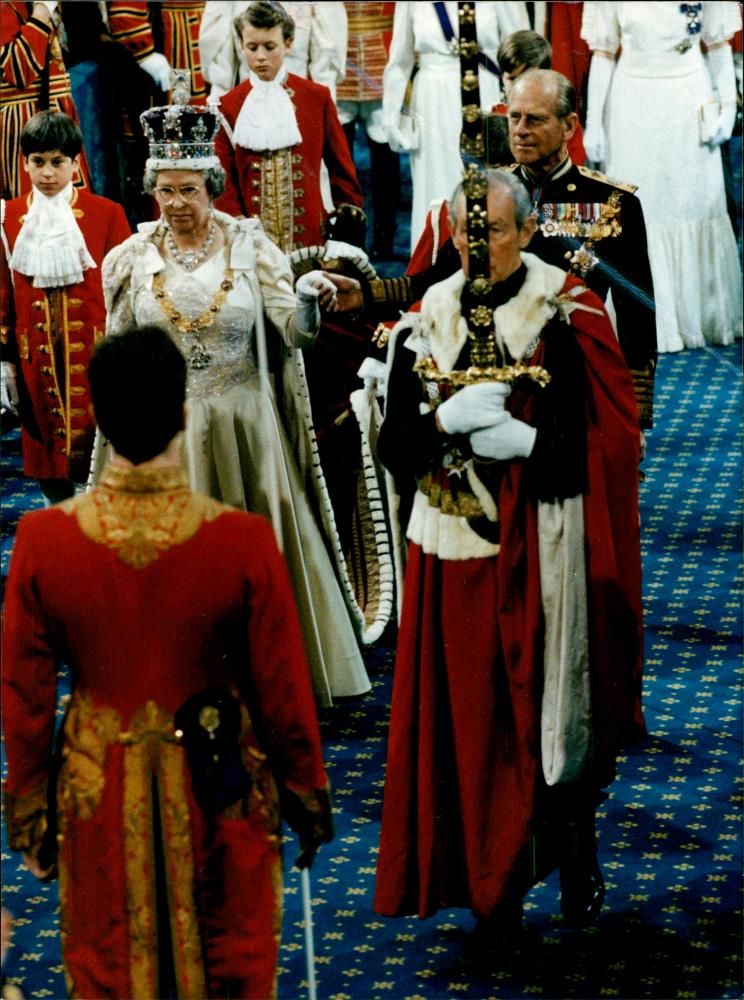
670	832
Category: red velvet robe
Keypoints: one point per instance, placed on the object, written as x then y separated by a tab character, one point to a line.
461	812
283	187
151	594
50	333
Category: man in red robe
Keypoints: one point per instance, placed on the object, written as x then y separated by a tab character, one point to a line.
191	721
517	675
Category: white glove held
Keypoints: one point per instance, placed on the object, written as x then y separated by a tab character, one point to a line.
158	68
510	439
8	387
51	5
474	406
600	77
307	290
720	63
338	250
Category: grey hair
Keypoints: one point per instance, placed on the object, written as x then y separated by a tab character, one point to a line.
506	182
214	180
564	92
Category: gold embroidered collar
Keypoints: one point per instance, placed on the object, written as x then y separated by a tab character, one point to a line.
144	478
142	512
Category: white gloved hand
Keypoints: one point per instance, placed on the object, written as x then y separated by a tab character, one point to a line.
338	250
8	387
720	63
510	439
309	288
474	406
158	67
600	77
51	5
374	375
399	140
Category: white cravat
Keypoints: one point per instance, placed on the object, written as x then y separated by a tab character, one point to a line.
50	247
267	118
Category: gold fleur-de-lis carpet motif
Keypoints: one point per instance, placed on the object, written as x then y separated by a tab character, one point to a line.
670	832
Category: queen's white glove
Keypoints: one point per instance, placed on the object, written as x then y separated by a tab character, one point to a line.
720	63
308	289
511	438
158	67
474	406
51	5
600	77
8	387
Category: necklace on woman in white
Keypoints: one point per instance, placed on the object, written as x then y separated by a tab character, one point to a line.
189	260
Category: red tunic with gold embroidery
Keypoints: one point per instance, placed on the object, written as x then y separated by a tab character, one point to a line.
50	334
282	187
152	594
370	34
32	77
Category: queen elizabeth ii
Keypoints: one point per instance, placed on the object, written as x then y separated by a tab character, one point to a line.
223	291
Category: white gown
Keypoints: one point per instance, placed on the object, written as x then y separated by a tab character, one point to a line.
436	106
237	444
653	140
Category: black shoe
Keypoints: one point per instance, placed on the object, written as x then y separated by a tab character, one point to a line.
496	935
582	890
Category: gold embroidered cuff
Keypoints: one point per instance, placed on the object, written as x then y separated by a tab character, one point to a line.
391	291
26	818
643	383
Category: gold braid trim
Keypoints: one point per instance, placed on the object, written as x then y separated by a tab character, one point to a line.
26	817
460	504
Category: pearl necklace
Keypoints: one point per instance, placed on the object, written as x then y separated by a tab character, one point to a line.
189	260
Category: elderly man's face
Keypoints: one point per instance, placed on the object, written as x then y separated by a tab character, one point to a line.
505	240
537	136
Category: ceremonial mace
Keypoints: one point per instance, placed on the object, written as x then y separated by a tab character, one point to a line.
486	360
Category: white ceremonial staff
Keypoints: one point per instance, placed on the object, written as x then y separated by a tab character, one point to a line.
307	911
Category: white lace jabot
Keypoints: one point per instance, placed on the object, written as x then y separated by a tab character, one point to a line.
267	118
50	246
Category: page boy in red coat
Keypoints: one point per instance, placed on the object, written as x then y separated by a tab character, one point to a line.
52	310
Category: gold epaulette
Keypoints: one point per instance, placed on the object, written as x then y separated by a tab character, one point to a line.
597	176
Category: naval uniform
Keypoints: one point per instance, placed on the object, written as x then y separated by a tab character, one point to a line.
594	226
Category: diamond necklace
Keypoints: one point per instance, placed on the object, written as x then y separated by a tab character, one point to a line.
189	260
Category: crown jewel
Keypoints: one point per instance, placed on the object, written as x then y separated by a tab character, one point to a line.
181	135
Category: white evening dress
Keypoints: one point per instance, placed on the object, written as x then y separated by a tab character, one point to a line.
653	140
436	105
237	443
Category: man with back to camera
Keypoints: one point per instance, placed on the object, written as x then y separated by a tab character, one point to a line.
192	718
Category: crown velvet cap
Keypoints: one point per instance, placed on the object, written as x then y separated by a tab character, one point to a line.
181	137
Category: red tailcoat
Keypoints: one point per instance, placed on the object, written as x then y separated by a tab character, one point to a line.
461	803
50	334
283	187
152	594
32	77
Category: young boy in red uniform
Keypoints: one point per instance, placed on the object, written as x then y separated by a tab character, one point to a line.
52	311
